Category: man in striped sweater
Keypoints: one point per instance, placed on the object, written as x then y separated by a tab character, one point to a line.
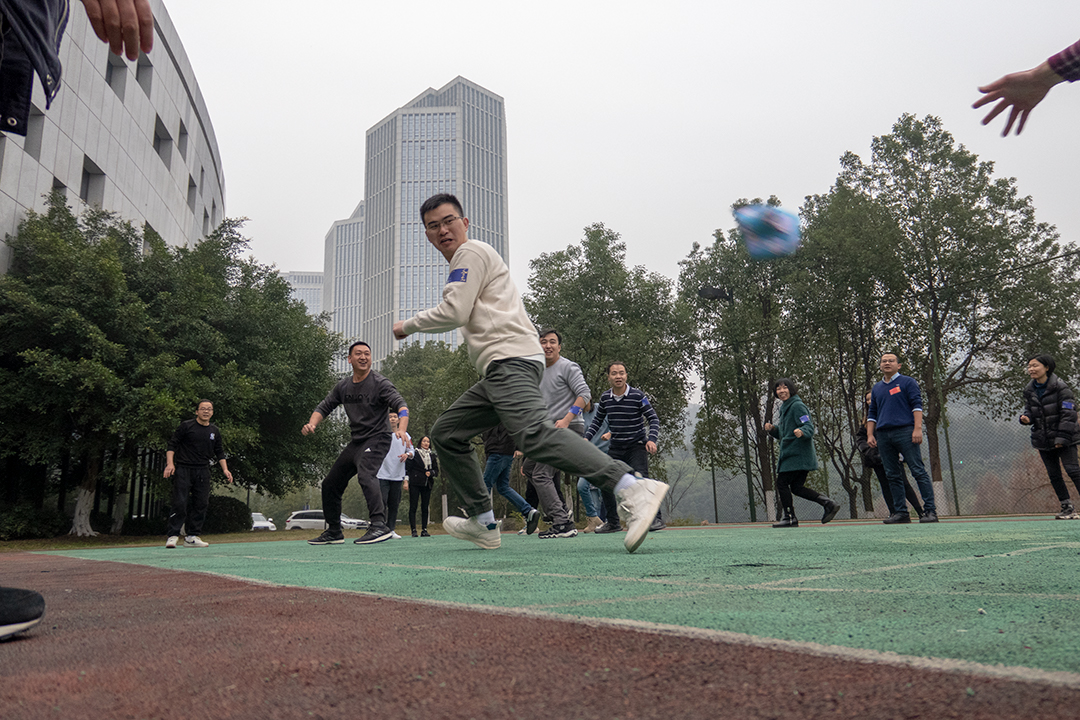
634	428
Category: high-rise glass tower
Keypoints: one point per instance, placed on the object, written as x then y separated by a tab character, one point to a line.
342	270
448	140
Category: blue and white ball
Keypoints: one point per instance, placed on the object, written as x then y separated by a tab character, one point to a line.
768	232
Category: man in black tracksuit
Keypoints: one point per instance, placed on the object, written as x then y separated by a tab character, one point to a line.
194	445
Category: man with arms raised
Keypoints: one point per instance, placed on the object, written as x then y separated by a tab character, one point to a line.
367	397
480	298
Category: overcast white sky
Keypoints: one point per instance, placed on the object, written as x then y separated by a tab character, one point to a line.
651	117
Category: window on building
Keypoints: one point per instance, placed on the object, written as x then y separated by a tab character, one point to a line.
144	74
192	193
92	188
162	142
35	128
205	223
182	140
60	187
116	72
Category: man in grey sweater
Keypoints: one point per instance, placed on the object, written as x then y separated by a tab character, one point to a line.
566	394
480	298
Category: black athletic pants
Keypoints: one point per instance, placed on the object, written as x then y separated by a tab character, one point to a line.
361	458
190	498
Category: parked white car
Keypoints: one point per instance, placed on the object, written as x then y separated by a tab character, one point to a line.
314	520
261	522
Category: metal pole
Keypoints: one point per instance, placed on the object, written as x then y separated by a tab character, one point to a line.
712	458
746	444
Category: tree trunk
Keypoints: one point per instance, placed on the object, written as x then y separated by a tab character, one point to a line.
119	512
80	524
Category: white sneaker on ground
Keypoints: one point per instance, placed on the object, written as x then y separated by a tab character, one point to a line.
171	542
638	505
195	541
394	536
469	529
521	531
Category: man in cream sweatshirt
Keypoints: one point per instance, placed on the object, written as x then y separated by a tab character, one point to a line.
480	298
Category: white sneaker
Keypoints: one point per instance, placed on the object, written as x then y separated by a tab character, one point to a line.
171	542
474	532
638	505
394	536
195	541
521	531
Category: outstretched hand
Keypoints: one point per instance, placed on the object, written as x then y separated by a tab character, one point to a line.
127	25
1021	92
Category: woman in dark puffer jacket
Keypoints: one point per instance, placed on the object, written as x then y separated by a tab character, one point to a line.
1050	410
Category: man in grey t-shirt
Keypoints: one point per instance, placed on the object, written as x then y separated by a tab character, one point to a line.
565	393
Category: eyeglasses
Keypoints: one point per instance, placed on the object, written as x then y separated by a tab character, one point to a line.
440	224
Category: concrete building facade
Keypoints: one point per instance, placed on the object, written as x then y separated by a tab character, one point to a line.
134	138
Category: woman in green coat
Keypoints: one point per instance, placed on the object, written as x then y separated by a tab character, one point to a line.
796	458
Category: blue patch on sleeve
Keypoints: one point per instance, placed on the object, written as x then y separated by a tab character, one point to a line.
458	275
645	401
804	418
1067	404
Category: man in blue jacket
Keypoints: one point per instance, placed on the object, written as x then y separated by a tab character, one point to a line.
894	427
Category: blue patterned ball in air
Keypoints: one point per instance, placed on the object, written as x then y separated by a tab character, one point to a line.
769	232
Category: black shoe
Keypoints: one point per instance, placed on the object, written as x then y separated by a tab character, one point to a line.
532	521
609	527
424	533
566	530
375	533
329	537
414	532
897	518
19	610
831	508
657	524
928	517
789	520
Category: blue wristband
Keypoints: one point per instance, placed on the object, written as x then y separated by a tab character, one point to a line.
575	410
403	412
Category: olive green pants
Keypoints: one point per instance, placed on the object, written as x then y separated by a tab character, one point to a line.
509	394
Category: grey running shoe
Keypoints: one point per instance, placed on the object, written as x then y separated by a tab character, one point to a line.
329	537
565	530
375	533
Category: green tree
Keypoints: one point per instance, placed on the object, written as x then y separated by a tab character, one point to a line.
979	288
606	311
108	338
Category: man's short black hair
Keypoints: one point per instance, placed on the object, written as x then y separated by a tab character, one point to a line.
441	199
551	331
358	342
788	383
204	400
612	364
1047	360
895	354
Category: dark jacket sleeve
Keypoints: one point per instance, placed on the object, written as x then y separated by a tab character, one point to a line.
434	466
219	446
1066	429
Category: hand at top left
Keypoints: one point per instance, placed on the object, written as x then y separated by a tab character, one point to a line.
127	25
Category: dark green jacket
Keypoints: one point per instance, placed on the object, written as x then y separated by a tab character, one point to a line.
795	453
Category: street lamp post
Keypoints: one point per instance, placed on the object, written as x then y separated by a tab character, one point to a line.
711	293
712	458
